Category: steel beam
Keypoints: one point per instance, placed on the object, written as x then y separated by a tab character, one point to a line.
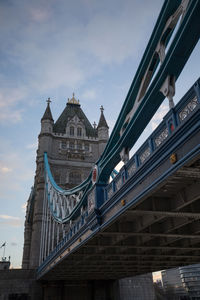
164	214
167	235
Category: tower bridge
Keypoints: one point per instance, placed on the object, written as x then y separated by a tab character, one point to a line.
81	228
147	218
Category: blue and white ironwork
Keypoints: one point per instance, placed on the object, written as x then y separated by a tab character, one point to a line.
145	154
65	211
91	200
188	109
63	204
99	197
144	96
161	137
131	168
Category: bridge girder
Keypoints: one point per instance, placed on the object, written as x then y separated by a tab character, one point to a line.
164	239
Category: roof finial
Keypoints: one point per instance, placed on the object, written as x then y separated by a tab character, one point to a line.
47	114
102	120
48	101
73	99
94	125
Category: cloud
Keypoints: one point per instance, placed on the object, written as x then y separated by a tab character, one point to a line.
111	124
8	116
32	146
24	207
89	94
115	37
39	15
119	166
67	44
10	98
158	117
13	244
6	220
16	173
6	217
5	169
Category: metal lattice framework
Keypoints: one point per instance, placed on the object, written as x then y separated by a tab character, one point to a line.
175	35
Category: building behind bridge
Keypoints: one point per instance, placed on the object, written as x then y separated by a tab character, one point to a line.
173	286
190	276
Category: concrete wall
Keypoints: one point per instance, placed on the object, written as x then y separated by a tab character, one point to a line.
19	284
83	290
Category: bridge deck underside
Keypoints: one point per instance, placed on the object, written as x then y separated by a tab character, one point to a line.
160	231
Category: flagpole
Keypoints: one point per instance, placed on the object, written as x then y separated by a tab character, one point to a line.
4	250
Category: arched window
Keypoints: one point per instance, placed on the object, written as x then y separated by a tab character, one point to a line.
71	130
75	178
86	147
79	146
79	131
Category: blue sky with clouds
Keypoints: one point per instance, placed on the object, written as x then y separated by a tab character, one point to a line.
52	48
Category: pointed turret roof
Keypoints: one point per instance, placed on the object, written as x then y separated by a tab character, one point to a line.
73	108
102	120
47	114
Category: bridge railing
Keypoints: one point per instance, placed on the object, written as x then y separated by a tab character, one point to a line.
172	120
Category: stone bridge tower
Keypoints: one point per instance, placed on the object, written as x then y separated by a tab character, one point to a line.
73	146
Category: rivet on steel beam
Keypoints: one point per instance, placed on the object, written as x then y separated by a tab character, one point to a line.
123	202
173	158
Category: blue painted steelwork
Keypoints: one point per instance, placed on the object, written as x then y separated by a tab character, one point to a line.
179	51
164	141
144	96
64	204
114	173
163	132
160	136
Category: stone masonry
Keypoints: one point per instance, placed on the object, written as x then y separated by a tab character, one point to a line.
73	145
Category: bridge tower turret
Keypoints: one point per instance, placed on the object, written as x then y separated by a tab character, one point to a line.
45	137
102	130
34	213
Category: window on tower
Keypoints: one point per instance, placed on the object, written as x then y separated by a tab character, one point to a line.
71	145
63	145
79	131
79	146
86	147
71	130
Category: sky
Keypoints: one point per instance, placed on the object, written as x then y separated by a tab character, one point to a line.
52	48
